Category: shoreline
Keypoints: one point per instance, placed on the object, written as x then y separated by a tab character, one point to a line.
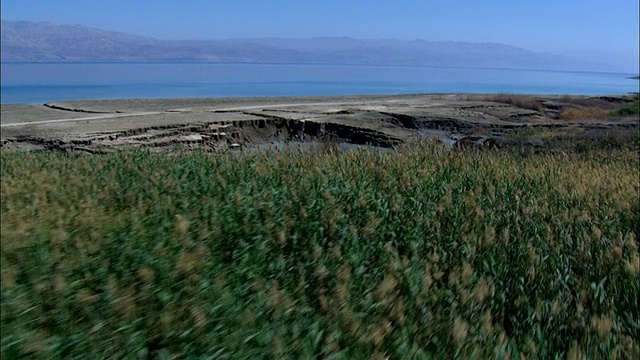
278	98
170	80
216	124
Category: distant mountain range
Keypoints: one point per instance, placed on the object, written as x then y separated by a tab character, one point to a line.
48	42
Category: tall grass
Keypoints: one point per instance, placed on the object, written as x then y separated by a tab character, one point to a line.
584	113
627	110
590	108
305	254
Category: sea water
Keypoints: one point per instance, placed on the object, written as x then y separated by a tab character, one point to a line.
42	82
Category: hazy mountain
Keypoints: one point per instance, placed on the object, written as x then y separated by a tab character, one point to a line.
43	42
624	61
29	41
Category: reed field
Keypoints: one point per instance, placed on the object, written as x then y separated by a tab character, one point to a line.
320	254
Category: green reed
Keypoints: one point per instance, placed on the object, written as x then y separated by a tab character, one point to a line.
422	253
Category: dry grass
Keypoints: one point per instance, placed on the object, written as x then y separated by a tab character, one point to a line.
578	139
521	101
584	114
588	102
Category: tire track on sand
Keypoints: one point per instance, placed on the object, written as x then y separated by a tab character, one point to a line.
118	115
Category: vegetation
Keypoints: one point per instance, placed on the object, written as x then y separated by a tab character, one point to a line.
575	107
425	253
597	109
627	110
589	102
584	113
576	139
519	100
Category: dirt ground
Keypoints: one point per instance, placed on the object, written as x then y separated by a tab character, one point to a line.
460	120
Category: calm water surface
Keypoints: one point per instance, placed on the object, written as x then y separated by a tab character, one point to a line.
38	83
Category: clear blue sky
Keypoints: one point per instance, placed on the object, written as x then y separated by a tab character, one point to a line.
539	25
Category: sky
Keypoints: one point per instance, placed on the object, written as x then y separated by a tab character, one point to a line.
558	26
